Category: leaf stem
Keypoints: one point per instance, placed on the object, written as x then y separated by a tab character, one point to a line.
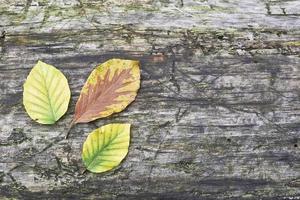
83	171
70	127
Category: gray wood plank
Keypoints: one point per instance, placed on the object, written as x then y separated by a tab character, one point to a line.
217	115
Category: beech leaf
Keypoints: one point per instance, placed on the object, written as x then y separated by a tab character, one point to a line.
46	94
109	89
106	147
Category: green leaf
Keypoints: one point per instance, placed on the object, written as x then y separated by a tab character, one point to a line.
106	147
46	94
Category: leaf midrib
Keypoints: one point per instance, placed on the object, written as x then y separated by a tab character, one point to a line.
47	92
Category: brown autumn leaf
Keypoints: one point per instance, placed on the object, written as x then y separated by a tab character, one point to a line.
109	89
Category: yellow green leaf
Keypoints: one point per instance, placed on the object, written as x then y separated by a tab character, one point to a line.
46	94
106	147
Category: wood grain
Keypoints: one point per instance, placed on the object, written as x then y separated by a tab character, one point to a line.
217	115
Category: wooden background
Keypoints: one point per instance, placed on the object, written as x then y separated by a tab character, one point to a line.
217	115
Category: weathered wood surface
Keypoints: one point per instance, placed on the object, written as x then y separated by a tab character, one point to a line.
217	115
